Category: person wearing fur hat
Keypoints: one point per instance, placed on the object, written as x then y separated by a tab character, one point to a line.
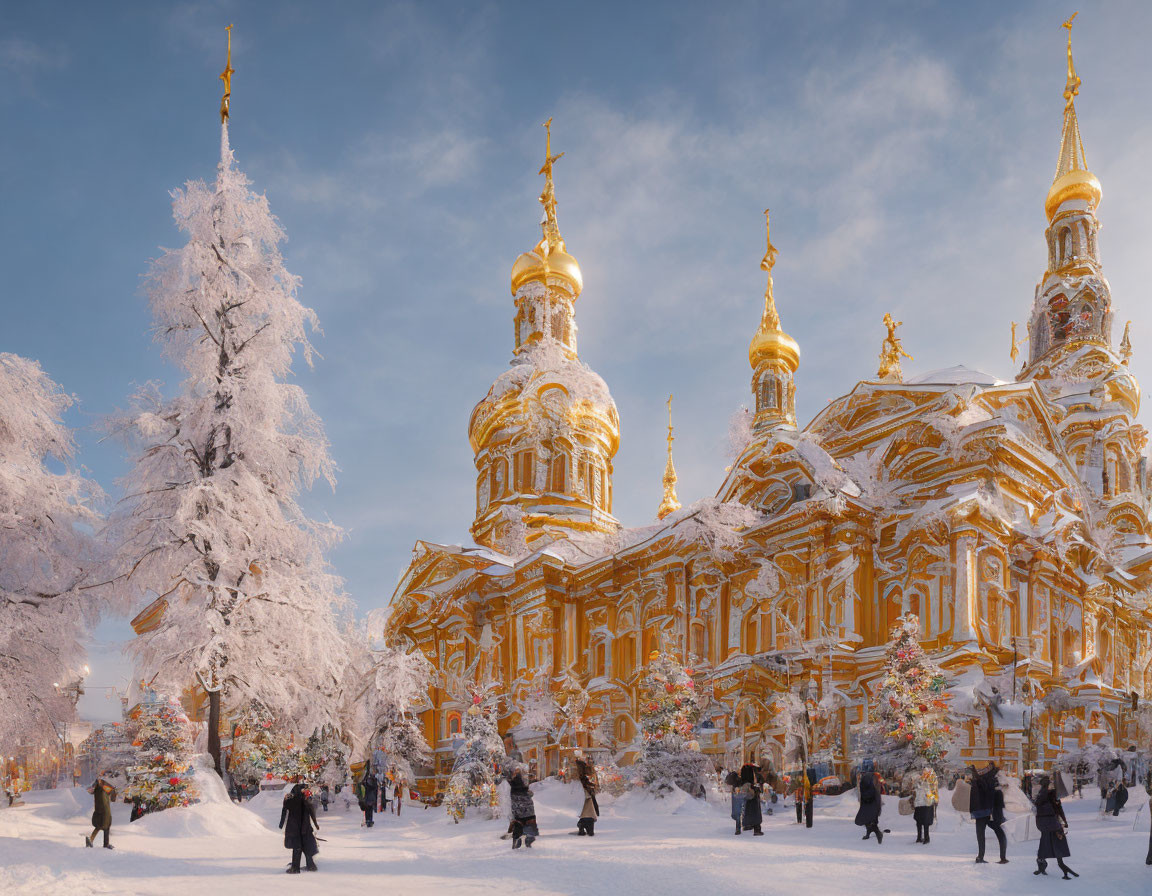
1051	823
925	796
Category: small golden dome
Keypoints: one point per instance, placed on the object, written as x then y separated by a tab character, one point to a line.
539	264
774	345
1076	184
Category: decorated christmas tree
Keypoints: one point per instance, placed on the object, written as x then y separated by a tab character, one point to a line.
261	750
162	776
669	710
473	781
325	759
911	720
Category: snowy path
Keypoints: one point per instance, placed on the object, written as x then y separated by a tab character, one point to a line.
640	847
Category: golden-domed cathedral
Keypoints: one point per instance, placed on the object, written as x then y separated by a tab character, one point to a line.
1010	518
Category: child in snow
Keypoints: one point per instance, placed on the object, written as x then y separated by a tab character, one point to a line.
324	796
732	780
925	796
524	829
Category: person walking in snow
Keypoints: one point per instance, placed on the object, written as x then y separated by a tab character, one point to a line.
524	828
986	806
298	818
590	811
925	797
324	796
732	780
868	815
750	789
1148	787
368	795
1051	823
798	796
103	795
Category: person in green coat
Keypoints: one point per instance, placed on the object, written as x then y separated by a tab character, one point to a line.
103	795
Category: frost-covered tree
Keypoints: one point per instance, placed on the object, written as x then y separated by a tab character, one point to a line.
911	719
384	687
45	510
473	780
210	522
669	710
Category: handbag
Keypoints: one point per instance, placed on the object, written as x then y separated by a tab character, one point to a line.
905	807
962	796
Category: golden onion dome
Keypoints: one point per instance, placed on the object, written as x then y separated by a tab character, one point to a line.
1077	184
544	266
774	345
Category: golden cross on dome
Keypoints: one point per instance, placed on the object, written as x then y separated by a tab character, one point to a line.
226	77
769	259
1072	87
550	225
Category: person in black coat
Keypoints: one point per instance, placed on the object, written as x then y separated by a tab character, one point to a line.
369	792
1051	823
750	789
986	806
103	796
298	818
868	815
1148	787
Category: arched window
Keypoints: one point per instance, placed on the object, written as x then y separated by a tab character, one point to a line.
453	725
700	640
599	662
1065	244
559	473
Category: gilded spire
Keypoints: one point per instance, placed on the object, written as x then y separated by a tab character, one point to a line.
770	341
670	503
550	226
226	77
549	261
1126	343
1073	180
770	319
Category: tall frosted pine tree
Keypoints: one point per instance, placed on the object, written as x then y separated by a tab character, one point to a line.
210	522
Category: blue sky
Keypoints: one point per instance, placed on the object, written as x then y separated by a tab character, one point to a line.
905	150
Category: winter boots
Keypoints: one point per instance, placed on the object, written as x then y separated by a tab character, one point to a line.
586	826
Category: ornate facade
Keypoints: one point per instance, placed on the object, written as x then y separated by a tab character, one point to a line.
1012	518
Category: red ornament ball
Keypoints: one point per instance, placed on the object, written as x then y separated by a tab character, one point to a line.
173	781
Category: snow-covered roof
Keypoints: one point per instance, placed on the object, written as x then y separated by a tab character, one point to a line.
955	376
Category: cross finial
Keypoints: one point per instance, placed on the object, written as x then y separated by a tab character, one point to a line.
550	225
1072	86
769	259
226	77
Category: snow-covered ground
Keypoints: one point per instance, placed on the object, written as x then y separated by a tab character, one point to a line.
642	846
